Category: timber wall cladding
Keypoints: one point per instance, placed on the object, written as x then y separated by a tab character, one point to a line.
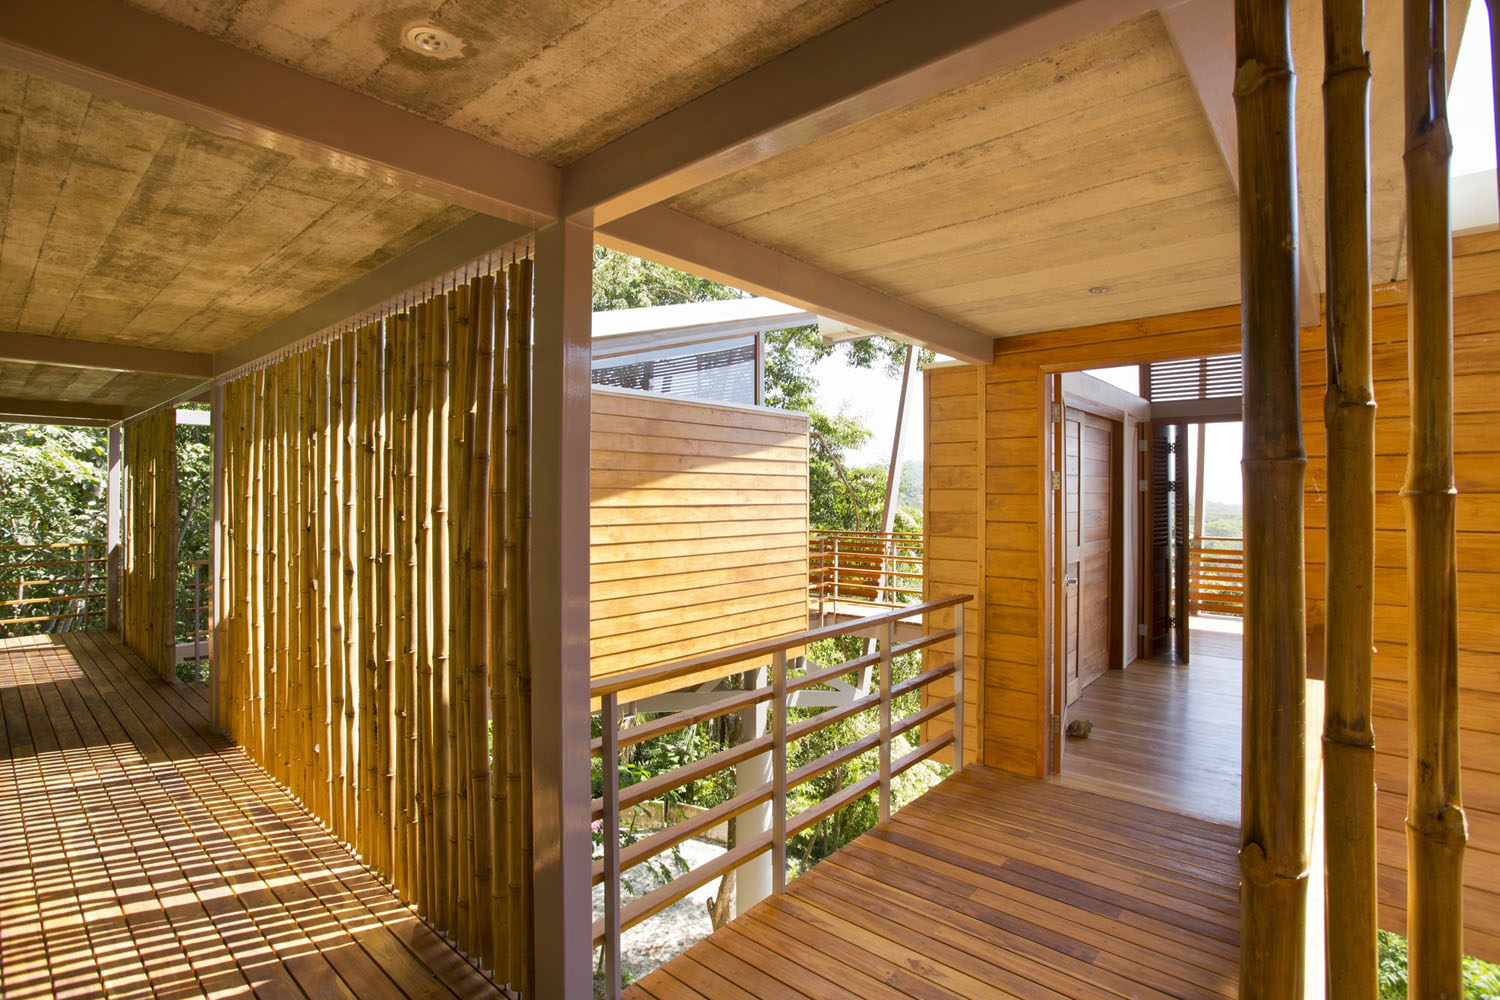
148	592
1012	569
952	526
374	563
698	539
1476	405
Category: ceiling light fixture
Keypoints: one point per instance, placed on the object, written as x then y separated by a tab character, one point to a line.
431	41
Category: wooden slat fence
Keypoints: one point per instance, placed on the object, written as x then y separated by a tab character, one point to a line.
877	568
1216	575
373	646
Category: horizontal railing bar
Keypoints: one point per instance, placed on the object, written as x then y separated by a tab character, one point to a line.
831	673
663	896
924	714
50	618
670	836
807	772
652	787
813	814
16	602
52	562
617	683
921	753
52	582
36	546
931	639
825	719
687	717
921	680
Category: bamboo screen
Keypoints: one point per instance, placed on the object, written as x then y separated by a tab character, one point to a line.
374	565
149	582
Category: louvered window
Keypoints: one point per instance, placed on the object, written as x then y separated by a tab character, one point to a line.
712	372
1218	377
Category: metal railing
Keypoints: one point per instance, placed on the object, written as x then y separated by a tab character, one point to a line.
882	569
47	588
194	606
788	674
1216	575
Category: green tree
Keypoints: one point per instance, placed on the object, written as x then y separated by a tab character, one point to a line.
52	484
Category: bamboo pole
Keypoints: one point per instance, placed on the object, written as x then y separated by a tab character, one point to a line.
258	586
460	427
501	938
442	797
1273	853
334	575
518	495
424	602
1349	420
318	486
349	593
405	404
369	725
481	856
1436	829
275	624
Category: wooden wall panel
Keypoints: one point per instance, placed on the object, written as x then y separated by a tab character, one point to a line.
698	540
1476	328
1013	449
953	501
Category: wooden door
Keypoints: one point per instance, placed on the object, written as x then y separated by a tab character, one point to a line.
1089	490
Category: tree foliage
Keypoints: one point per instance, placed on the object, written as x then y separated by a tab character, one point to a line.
52	484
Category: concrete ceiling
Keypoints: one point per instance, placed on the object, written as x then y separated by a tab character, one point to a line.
553	80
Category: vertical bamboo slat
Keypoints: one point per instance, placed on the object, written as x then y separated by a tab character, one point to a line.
149	581
1349	419
1273	852
1436	828
374	535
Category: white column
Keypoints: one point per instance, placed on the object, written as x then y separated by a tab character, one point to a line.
753	881
114	552
562	914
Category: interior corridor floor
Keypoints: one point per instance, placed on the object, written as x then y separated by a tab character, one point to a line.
1166	734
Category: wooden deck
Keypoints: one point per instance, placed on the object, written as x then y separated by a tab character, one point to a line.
143	855
991	886
1166	734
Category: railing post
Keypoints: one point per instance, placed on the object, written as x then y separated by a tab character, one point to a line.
609	713
958	687
778	772
835	571
887	633
197	618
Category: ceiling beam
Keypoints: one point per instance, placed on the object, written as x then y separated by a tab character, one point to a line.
1203	31
137	58
68	352
671	238
425	262
20	410
898	53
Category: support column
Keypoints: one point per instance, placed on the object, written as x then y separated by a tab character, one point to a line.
1182	514
562	919
753	880
114	541
1273	826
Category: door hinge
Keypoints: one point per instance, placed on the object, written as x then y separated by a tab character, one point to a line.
1142	485
1057	413
1142	444
1056	723
1057	480
1141	631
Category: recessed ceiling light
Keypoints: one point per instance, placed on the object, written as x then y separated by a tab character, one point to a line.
431	41
1098	289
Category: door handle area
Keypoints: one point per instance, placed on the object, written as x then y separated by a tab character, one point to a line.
1070	581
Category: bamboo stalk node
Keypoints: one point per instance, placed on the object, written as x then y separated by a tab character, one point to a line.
1253	74
1448	829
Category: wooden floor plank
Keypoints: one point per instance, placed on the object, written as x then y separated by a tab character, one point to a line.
141	854
976	890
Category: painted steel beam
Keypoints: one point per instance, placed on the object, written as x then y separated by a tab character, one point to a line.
1203	31
898	53
137	58
669	237
19	410
439	255
68	352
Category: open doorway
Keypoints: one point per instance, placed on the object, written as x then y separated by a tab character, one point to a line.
1147	564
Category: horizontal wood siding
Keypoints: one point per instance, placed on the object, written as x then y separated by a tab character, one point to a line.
1014	450
1476	328
698	540
951	484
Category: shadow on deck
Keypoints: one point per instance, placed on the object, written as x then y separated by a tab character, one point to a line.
991	886
143	854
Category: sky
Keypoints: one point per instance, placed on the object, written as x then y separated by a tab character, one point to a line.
871	395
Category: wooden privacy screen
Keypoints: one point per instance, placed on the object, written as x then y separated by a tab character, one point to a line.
375	547
698	529
997	478
148	591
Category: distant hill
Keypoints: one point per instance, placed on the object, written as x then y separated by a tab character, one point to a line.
1225	520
